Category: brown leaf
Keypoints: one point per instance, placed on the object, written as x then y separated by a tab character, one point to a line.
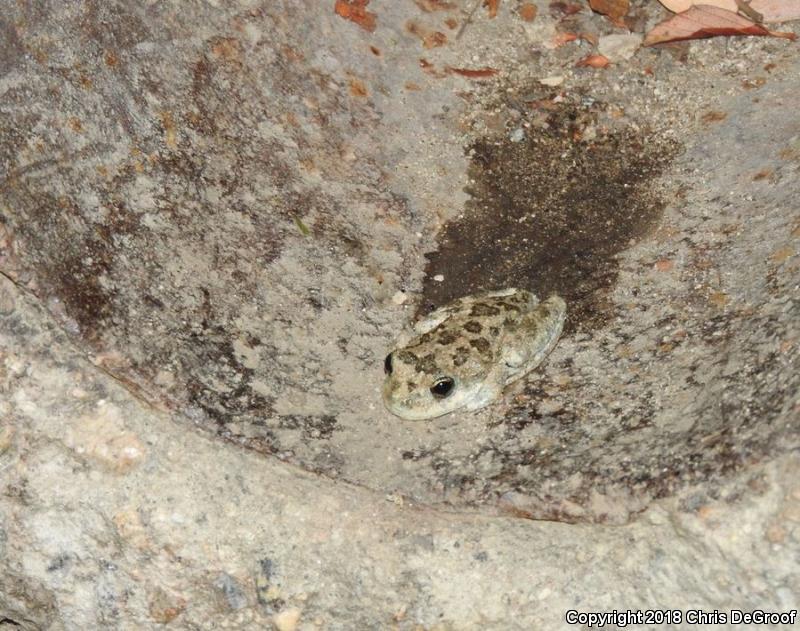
771	10
492	5
430	39
528	11
559	8
477	73
703	21
356	11
429	68
559	39
593	61
615	9
777	10
679	6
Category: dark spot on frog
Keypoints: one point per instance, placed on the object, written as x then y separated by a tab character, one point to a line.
406	357
426	364
411	385
509	307
481	345
446	338
481	310
473	327
494	331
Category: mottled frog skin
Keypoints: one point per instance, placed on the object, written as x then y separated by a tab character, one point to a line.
465	353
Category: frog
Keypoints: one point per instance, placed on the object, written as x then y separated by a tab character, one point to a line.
463	355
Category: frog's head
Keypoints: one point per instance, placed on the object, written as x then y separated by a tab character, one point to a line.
421	385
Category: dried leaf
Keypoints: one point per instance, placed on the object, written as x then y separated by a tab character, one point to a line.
679	6
477	73
356	11
615	9
593	61
559	8
559	39
777	10
703	21
429	68
430	39
492	5
771	10
434	40
528	11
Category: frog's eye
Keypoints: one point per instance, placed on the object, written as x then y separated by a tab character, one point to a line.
443	387
387	364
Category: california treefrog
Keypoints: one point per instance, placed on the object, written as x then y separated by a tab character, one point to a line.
466	352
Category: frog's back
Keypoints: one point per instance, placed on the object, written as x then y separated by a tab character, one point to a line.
502	306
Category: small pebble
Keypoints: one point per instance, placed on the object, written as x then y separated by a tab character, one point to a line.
517	135
438	278
617	47
399	297
231	590
286	620
552	81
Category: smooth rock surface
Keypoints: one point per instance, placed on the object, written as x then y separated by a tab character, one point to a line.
214	224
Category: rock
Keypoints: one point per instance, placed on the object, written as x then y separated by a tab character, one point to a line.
552	81
231	591
194	384
618	47
287	620
102	438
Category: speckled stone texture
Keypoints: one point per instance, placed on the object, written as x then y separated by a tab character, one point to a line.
216	220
